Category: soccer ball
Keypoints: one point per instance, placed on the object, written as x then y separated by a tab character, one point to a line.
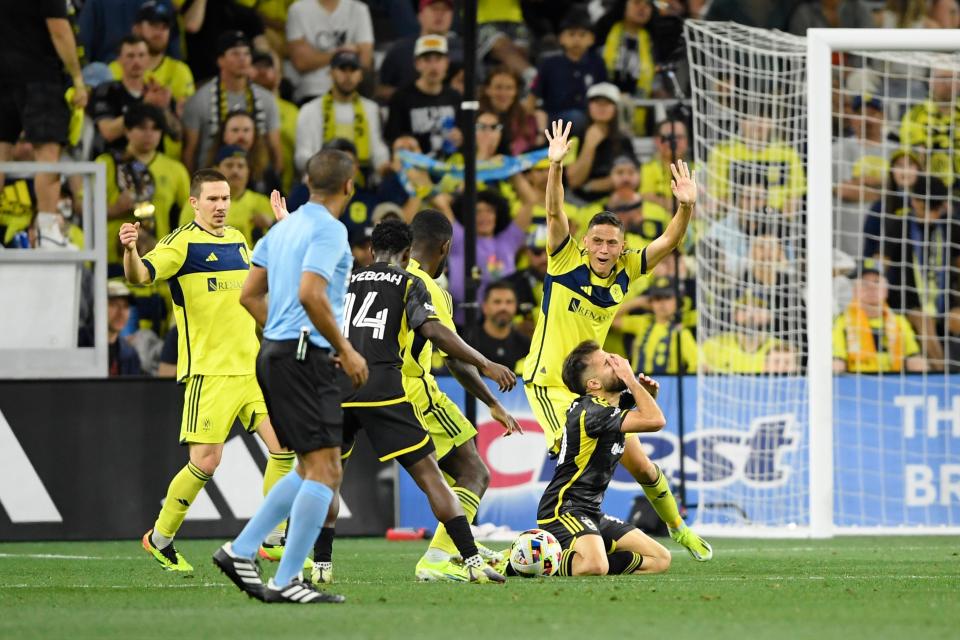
534	553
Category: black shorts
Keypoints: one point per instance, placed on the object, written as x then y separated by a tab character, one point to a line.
302	397
39	109
394	432
573	524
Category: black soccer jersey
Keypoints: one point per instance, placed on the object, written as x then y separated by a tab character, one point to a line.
590	450
383	304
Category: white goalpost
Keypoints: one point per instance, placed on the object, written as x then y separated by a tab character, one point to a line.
815	415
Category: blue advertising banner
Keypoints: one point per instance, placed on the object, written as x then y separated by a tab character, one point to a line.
897	456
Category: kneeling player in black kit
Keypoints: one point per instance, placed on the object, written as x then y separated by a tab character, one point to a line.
383	304
593	441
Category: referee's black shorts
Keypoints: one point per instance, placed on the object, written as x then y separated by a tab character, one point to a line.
302	396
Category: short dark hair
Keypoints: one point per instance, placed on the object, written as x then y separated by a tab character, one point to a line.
606	217
202	177
665	121
328	170
391	236
575	364
130	39
431	227
140	112
341	144
499	285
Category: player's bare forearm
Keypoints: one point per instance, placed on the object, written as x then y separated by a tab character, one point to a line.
558	227
451	344
61	34
671	237
253	296
133	268
469	378
313	297
647	416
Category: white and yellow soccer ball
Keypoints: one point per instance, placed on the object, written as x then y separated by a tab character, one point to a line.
534	553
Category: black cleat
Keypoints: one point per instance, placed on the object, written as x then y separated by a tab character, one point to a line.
298	592
244	572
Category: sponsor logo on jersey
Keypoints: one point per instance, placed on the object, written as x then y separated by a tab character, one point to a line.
216	284
583	310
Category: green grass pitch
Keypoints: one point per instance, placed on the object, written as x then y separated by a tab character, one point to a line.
849	588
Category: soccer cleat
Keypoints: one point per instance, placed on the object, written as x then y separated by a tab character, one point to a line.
244	572
274	553
491	557
699	548
298	592
168	557
452	571
322	573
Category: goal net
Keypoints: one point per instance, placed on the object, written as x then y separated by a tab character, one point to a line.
889	455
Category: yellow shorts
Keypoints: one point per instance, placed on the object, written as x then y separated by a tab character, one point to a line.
549	405
440	415
212	404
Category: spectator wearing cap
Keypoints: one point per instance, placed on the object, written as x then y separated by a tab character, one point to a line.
343	113
868	337
435	18
562	80
122	357
748	347
316	31
267	74
589	174
102	24
153	23
427	109
250	212
206	111
672	143
918	245
656	342
110	100
142	184
495	336
628	53
528	282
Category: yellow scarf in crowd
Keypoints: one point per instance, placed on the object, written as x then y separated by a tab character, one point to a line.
361	129
861	346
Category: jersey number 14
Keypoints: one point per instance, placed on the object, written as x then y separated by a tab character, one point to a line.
377	322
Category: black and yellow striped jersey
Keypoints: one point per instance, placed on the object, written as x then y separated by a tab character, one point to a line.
590	450
384	307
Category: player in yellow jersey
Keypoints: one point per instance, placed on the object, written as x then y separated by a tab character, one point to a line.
205	263
582	291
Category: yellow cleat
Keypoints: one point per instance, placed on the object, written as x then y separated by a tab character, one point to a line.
274	552
450	571
168	557
699	548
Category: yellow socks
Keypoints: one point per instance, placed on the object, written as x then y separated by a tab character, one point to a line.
470	502
278	465
182	492
663	501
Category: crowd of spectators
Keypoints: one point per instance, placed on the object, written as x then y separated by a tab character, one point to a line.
156	89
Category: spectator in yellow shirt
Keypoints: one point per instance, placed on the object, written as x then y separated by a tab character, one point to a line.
748	347
656	342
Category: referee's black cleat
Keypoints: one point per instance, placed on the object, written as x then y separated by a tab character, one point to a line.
298	592
244	572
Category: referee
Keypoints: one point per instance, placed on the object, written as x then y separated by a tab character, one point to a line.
304	262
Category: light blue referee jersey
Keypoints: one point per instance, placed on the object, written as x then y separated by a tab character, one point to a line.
309	239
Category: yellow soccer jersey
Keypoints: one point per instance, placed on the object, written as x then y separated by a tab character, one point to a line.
577	305
884	360
777	165
654	347
165	184
206	272
417	350
241	212
934	126
723	354
172	74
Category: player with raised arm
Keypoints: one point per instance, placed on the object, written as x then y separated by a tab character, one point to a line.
206	263
591	444
582	291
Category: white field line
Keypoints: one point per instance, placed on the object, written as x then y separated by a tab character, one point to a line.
197	585
58	556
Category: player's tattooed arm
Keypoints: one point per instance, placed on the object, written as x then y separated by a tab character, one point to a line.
558	226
